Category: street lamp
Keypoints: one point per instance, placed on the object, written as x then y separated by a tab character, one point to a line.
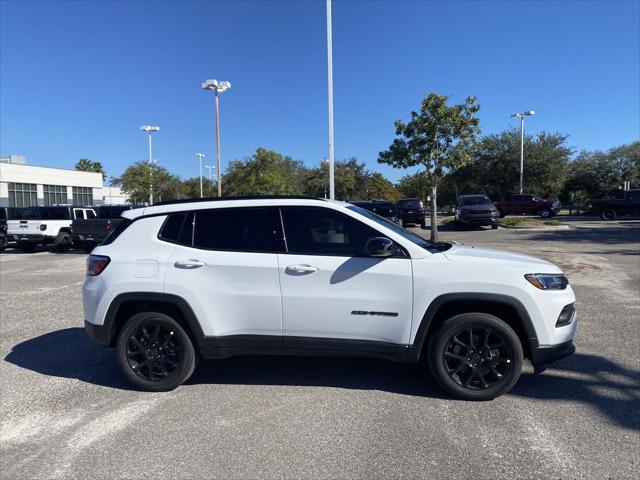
200	157
332	191
211	168
218	87
150	129
521	116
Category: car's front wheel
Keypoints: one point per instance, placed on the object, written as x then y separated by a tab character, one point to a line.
154	352
475	356
608	214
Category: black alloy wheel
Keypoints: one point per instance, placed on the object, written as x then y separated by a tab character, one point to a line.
608	214
477	358
154	352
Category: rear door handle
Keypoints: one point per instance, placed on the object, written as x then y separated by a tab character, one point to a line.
189	264
302	268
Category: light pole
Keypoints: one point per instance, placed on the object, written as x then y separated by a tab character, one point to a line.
150	129
211	168
332	191
200	157
218	87
521	116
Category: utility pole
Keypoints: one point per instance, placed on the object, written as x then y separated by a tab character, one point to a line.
521	116
332	190
200	157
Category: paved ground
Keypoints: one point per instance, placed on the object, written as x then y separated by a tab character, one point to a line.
66	413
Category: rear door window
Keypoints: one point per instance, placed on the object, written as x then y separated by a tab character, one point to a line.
231	229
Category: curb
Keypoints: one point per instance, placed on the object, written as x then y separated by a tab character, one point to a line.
539	229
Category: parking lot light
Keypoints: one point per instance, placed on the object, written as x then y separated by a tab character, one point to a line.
150	129
217	87
521	116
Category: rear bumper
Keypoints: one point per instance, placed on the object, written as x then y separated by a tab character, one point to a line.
545	355
29	237
100	334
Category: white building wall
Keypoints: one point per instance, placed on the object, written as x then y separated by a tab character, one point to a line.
16	173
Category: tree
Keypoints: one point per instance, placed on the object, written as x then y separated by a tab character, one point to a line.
137	179
265	173
191	188
351	180
593	174
496	169
378	187
438	138
86	165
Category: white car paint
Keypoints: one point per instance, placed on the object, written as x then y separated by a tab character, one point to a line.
256	293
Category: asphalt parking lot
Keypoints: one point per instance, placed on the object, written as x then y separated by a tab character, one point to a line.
67	414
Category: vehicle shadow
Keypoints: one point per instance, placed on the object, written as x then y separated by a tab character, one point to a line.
588	379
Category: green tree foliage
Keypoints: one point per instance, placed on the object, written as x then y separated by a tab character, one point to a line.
265	173
136	181
593	174
191	188
379	188
86	165
496	171
438	138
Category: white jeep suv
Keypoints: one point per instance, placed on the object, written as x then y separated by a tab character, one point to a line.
304	276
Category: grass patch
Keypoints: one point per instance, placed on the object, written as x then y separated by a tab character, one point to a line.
513	221
553	223
448	220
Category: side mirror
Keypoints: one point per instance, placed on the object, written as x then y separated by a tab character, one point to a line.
380	247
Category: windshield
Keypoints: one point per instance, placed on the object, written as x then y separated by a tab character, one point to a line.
417	239
479	200
410	204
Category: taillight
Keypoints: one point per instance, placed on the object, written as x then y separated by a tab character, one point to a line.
109	226
43	226
96	264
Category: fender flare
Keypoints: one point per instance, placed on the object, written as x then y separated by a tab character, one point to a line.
434	306
179	302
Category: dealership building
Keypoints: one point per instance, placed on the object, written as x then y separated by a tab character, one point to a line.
23	185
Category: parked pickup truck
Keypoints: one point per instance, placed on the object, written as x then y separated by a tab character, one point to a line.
611	208
528	204
89	232
45	225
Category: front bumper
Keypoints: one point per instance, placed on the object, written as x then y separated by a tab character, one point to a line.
100	334
479	220
547	354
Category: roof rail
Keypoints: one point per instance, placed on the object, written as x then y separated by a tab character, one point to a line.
240	197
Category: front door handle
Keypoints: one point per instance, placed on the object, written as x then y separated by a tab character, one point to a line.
302	268
189	264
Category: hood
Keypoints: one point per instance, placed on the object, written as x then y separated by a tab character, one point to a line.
496	258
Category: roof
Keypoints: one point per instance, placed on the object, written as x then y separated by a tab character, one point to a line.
239	197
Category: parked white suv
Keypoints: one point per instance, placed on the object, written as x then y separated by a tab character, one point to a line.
304	276
45	225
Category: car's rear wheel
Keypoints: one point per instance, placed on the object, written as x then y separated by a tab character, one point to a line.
475	356
63	242
27	247
494	226
546	213
154	352
608	214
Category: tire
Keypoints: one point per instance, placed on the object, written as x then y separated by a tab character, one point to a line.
403	224
494	227
423	224
27	247
546	213
154	369
608	214
63	242
448	351
502	214
3	242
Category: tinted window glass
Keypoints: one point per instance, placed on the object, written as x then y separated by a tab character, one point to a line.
479	200
115	233
322	231
186	235
634	194
171	228
416	204
243	229
90	214
3	215
111	212
79	214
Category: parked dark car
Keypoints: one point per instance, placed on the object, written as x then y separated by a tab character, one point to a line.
87	233
384	208
411	210
611	208
527	204
476	210
6	213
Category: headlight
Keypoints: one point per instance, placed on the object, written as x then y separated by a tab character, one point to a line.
547	281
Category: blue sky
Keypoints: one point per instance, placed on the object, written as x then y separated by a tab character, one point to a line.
77	79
